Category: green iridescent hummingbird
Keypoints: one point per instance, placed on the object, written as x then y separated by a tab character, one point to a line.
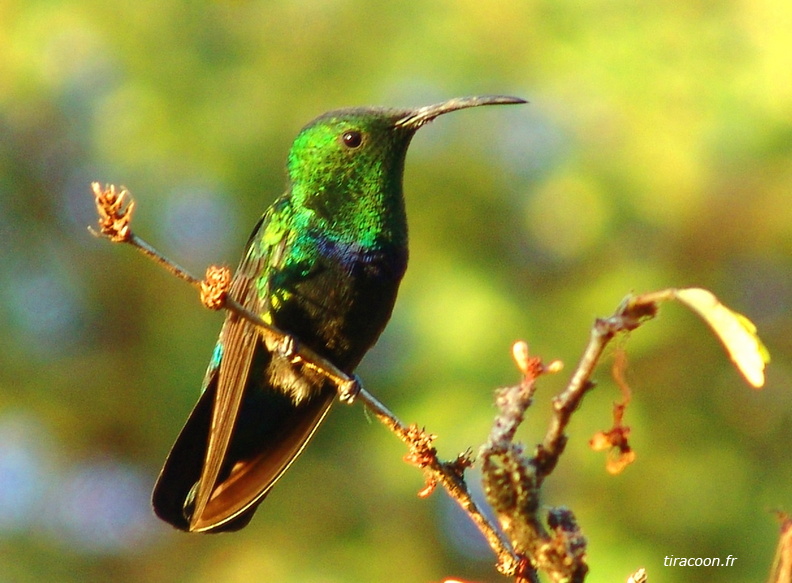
323	264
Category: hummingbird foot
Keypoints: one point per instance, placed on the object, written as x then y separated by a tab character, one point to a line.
349	389
286	348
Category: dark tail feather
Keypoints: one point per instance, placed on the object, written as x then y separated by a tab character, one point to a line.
270	432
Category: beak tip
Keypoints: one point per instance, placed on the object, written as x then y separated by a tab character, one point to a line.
421	116
499	100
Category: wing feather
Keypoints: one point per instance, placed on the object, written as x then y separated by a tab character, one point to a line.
248	427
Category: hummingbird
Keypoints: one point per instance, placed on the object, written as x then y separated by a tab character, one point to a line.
323	264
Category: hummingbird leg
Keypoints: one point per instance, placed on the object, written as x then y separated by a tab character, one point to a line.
286	347
289	348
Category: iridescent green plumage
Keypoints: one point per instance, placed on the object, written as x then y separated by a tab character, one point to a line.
324	265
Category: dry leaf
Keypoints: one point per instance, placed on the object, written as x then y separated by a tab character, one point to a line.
736	332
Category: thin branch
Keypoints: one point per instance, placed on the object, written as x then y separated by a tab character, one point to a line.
115	213
447	474
629	315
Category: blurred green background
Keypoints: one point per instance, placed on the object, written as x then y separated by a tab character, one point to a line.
656	151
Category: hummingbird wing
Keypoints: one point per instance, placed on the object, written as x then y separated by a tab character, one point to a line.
242	434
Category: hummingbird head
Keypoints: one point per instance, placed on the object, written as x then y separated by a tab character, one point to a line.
347	164
357	147
347	152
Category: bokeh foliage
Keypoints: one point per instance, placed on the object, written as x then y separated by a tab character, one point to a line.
656	151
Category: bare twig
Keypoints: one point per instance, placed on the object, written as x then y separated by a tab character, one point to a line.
115	213
447	474
630	314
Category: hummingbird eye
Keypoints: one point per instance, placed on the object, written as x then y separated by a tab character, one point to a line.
352	139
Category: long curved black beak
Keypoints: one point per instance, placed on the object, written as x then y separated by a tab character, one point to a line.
423	115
